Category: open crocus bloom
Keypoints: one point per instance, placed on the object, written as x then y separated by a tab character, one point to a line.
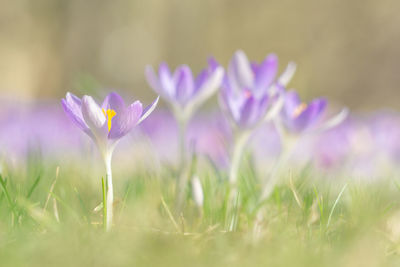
298	116
184	92
247	89
108	123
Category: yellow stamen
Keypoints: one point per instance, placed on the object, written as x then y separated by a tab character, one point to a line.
109	114
299	109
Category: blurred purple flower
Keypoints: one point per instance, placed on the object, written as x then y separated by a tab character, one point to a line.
180	89
298	116
29	128
385	131
331	149
247	89
108	123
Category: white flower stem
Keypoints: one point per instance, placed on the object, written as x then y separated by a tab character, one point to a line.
182	124
240	141
109	194
288	145
182	174
238	149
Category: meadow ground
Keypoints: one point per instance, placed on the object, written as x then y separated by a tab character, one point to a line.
310	220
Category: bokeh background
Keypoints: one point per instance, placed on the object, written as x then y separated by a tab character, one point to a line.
347	51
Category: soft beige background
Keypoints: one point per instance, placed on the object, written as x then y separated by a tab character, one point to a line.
346	50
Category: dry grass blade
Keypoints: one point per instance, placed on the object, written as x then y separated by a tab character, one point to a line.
170	215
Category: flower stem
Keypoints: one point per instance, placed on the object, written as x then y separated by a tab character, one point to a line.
182	144
288	145
109	195
103	186
239	145
238	149
182	174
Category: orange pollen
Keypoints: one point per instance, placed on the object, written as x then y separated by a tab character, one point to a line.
299	109
247	93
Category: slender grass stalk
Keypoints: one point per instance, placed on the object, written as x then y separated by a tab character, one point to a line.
6	193
34	185
334	205
51	189
170	215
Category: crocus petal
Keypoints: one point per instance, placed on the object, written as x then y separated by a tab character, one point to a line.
266	72
254	111
123	122
247	111
310	115
166	80
114	101
335	120
213	63
287	74
292	101
205	74
153	81
208	88
92	113
240	74
183	79
72	107
148	110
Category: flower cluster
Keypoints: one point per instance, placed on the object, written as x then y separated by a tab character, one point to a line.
250	95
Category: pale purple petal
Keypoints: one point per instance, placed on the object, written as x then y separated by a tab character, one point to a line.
266	72
213	63
114	101
123	122
72	107
253	110
208	88
166	80
183	79
309	116
240	70
200	79
292	101
148	110
153	81
247	111
92	113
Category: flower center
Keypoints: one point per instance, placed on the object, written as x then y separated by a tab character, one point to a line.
299	109
109	114
247	93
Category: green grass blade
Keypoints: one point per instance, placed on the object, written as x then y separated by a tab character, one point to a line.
334	205
6	193
34	185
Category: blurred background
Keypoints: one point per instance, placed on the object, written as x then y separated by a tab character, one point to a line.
347	51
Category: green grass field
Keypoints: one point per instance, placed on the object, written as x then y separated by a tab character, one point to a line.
309	220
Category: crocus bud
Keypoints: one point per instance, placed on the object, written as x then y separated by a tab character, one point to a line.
197	191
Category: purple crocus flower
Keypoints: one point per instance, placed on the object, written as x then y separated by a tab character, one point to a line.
180	89
184	94
298	116
106	125
248	89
